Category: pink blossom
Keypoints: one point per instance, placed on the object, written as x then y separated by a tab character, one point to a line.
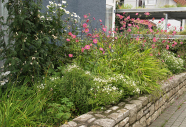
87	20
95	41
128	17
67	39
101	49
181	42
129	30
161	30
69	33
181	27
178	55
168	24
136	13
129	24
70	55
121	17
154	39
90	44
116	38
86	30
137	39
84	25
138	18
123	12
87	47
93	18
174	32
103	52
74	36
163	41
109	46
151	54
147	13
159	22
165	31
77	40
153	19
173	45
162	19
167	47
144	41
100	20
85	16
82	49
116	29
153	46
104	29
108	36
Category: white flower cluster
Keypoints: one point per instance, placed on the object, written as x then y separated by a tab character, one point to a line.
5	80
42	86
173	62
55	5
70	67
117	77
109	89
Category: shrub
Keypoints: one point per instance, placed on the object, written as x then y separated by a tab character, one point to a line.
35	38
174	64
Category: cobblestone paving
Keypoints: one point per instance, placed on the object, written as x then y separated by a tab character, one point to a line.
173	116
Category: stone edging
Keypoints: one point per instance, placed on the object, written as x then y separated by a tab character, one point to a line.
138	113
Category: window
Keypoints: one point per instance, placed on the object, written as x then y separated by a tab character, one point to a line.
151	1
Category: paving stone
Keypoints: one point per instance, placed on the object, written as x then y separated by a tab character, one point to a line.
125	112
137	124
139	114
105	122
144	100
116	116
132	112
83	118
143	121
123	122
72	123
121	104
138	104
99	115
108	111
91	120
114	107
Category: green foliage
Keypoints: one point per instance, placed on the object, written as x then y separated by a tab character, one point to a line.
125	6
28	51
21	107
59	112
176	65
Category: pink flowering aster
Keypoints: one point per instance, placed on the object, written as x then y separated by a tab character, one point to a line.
147	13
84	25
104	29
95	41
87	47
85	16
154	39
67	39
70	55
86	30
101	49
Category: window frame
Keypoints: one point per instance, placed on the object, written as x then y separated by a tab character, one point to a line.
155	2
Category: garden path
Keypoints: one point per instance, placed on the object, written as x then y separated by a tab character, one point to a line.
174	115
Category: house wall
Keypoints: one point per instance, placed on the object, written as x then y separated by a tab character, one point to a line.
3	12
131	2
160	3
96	8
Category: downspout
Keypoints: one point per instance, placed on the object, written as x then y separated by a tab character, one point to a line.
166	20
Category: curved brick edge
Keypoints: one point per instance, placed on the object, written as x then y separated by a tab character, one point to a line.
138	113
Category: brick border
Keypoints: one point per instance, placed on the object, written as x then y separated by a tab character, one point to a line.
140	112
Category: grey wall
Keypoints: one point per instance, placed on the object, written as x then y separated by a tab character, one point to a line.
96	8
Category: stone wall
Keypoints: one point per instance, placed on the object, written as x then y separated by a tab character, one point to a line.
140	112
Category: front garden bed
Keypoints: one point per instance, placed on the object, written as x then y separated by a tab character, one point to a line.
140	112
